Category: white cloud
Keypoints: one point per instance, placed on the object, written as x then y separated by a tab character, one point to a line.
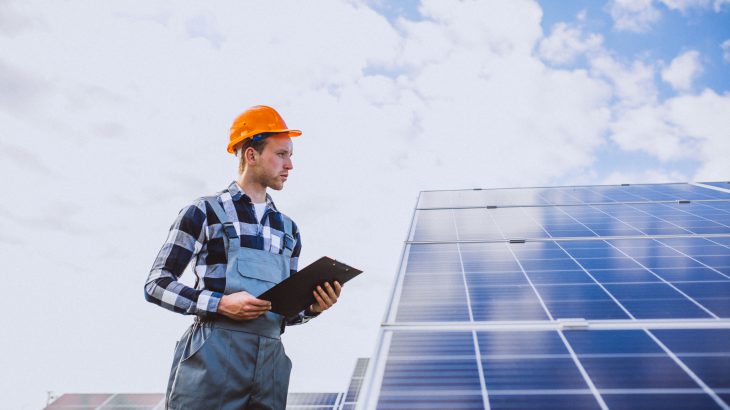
648	128
633	15
633	83
718	5
684	127
726	50
650	176
703	118
129	112
566	42
684	5
683	70
639	15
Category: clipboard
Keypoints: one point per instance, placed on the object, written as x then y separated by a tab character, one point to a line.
294	294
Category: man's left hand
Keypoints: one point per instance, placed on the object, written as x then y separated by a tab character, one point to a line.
326	296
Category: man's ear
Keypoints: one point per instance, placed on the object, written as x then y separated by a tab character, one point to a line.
250	154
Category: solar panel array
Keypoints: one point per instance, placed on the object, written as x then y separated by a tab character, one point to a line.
560	297
108	401
156	401
331	401
313	401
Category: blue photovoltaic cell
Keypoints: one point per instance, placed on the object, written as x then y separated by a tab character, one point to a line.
573	221
705	351
636	372
626	254
543	401
433	286
440	366
627	367
567	195
723	184
456	401
549	373
673	401
629	360
312	399
648	278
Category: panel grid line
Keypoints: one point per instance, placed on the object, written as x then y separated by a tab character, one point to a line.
593	296
659	277
574	357
477	351
689	371
595	280
583	372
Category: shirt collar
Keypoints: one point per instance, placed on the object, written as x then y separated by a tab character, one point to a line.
237	193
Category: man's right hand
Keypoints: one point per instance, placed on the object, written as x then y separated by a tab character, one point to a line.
242	306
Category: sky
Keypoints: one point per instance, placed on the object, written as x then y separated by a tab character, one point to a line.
115	115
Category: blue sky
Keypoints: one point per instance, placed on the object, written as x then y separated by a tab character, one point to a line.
700	28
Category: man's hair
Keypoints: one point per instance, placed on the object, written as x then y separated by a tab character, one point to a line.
257	145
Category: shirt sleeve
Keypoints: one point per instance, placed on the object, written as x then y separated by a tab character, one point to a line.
305	315
183	243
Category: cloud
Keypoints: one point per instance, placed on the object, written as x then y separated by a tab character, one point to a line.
12	22
566	42
726	50
684	5
633	82
683	70
687	126
718	5
649	128
132	101
650	176
19	90
639	15
23	158
702	118
633	15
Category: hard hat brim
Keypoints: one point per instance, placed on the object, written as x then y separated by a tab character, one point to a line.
289	133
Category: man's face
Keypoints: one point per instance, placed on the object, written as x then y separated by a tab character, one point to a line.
274	163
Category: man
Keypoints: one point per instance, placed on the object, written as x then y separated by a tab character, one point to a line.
231	357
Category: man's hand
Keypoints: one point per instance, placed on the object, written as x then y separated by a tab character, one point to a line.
242	306
325	299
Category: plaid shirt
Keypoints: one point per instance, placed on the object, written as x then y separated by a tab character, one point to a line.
197	234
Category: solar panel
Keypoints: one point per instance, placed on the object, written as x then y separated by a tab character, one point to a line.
353	390
480	224
569	195
565	297
78	401
122	401
313	401
724	184
156	401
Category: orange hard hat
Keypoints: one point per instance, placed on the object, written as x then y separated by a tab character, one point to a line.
258	120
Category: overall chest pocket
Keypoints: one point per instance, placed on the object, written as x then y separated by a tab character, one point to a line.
259	271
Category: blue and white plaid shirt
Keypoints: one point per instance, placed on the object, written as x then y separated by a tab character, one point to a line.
197	235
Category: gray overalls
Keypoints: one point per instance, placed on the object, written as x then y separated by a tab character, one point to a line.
225	364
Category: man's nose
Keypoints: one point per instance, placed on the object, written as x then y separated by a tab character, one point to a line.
289	164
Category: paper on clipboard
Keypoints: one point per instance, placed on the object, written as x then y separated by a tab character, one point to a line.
294	294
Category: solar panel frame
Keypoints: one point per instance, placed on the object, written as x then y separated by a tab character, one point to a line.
698	241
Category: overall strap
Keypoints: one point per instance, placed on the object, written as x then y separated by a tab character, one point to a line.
289	241
230	236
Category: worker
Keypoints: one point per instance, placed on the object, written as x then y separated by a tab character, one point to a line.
232	357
